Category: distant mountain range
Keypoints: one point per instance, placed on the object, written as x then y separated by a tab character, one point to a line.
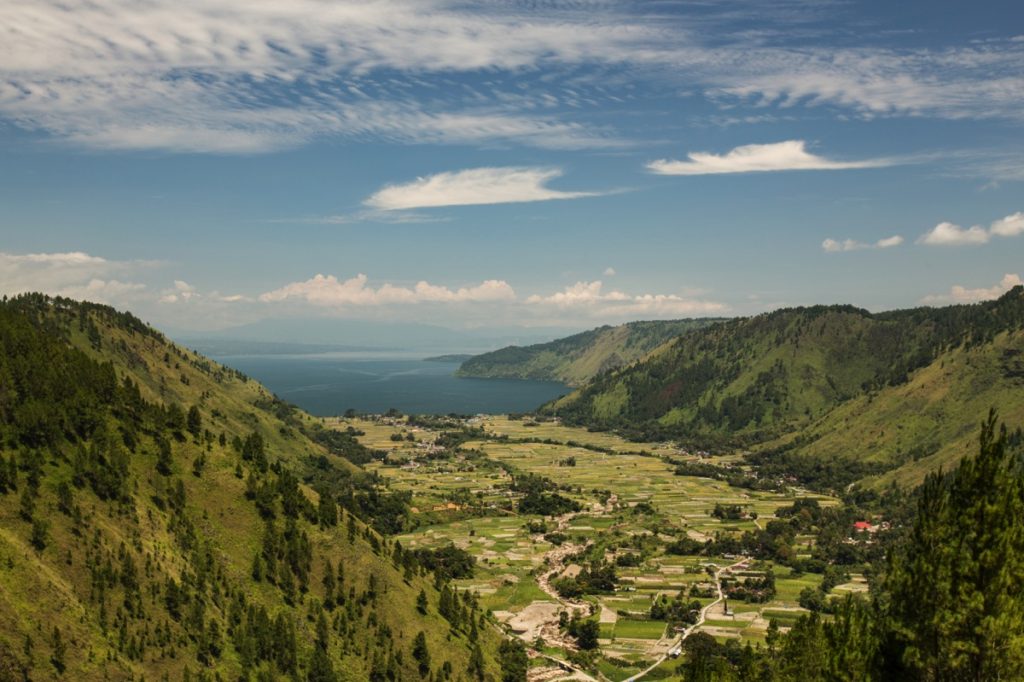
303	334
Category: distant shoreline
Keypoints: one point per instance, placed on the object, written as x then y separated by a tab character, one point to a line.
451	357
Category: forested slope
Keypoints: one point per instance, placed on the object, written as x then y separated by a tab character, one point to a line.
900	389
164	517
578	358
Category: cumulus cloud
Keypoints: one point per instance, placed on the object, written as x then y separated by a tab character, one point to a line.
472	187
837	246
751	158
961	294
948	234
74	274
1010	226
590	297
328	290
609	272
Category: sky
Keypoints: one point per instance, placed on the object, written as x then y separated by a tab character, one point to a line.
544	164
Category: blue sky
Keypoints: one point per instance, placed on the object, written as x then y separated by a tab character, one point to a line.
549	163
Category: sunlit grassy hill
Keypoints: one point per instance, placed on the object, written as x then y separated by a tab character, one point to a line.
162	516
929	421
578	358
903	388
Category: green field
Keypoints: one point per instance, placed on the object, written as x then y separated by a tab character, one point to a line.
608	486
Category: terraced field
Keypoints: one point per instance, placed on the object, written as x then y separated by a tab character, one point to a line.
631	503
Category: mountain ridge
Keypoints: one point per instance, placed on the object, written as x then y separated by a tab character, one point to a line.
775	378
163	516
576	359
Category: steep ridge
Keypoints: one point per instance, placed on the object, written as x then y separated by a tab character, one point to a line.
836	371
926	423
165	517
576	359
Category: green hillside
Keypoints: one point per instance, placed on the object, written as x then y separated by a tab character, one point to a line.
925	377
164	517
927	422
576	359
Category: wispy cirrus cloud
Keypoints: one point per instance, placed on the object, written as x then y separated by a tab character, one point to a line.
962	294
753	158
950	234
473	187
229	76
839	246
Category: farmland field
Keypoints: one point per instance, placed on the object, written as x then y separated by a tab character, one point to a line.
631	507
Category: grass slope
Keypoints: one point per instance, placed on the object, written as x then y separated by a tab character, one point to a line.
900	392
160	580
576	359
930	421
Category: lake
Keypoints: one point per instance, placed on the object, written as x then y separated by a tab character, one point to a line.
327	384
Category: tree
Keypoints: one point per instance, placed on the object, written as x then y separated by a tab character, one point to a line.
327	511
957	584
27	506
421	602
194	421
513	660
59	651
586	633
330	585
163	457
320	668
421	654
40	534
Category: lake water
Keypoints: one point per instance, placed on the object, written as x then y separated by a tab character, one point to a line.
328	384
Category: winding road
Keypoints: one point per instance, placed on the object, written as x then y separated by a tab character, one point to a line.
700	621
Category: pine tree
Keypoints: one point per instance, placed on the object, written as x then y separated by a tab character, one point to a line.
421	602
421	654
194	421
957	583
40	536
59	651
330	586
163	457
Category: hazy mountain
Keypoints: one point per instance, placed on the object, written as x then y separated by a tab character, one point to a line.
348	334
578	358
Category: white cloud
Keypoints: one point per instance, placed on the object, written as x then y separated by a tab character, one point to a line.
232	76
889	242
777	156
609	272
238	77
961	294
1010	226
328	290
73	274
836	246
948	234
591	298
472	187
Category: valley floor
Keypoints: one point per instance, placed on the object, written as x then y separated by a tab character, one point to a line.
632	505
